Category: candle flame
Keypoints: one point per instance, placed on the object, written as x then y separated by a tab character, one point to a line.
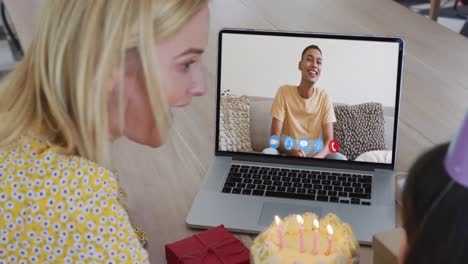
299	219
330	230
277	220
316	223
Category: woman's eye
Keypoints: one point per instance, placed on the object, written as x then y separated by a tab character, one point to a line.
186	66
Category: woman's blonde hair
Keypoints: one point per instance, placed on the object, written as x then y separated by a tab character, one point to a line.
62	83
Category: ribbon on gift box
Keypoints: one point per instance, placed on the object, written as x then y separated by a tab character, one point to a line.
212	249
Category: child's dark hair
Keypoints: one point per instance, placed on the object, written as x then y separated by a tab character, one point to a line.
439	235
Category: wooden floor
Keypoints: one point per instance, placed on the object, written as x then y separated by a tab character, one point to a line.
161	183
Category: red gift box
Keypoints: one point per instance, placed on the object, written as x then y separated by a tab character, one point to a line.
213	246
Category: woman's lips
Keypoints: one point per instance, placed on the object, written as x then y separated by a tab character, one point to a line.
184	102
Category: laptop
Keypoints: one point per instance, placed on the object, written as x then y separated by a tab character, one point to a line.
277	94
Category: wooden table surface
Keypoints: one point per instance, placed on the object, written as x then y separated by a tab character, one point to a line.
161	183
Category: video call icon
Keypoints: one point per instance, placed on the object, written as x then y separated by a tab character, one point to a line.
303	144
318	145
334	146
288	143
274	141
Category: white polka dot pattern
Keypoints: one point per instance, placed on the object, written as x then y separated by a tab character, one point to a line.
61	209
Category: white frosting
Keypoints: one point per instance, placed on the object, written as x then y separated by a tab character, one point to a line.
265	249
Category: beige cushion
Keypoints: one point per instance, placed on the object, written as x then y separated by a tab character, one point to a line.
378	156
260	123
389	113
359	128
234	117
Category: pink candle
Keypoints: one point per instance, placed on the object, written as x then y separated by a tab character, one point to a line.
330	239
280	232
300	221
316	235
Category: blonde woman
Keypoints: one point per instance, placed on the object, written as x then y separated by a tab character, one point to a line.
96	71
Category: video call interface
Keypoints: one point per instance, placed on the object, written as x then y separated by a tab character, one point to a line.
318	98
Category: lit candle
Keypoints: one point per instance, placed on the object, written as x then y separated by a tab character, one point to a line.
300	221
330	239
316	235
280	232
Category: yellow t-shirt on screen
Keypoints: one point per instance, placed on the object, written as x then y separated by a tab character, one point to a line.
302	117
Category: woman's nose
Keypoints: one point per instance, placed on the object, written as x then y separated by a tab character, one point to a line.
199	86
199	89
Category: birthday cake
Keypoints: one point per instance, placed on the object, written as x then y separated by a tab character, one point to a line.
304	239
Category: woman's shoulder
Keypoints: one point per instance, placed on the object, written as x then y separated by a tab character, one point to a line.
71	200
32	156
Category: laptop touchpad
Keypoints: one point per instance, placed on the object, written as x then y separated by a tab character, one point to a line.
270	209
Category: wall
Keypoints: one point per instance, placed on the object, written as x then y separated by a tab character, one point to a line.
24	14
352	71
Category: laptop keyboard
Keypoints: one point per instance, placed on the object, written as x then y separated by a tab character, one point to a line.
345	188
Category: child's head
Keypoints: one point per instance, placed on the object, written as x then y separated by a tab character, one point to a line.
435	212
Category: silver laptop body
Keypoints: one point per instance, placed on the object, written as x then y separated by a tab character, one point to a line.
253	213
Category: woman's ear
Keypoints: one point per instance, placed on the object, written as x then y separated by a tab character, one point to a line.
114	79
113	86
118	85
403	249
125	73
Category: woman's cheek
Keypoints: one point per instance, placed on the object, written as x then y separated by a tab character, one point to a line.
177	94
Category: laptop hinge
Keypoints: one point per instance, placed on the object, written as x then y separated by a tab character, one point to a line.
332	164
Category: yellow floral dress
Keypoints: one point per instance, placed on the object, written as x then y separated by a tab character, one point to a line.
56	208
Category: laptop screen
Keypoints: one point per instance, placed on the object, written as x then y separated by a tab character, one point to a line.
308	96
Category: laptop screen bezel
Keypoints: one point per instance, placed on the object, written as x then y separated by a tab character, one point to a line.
350	164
